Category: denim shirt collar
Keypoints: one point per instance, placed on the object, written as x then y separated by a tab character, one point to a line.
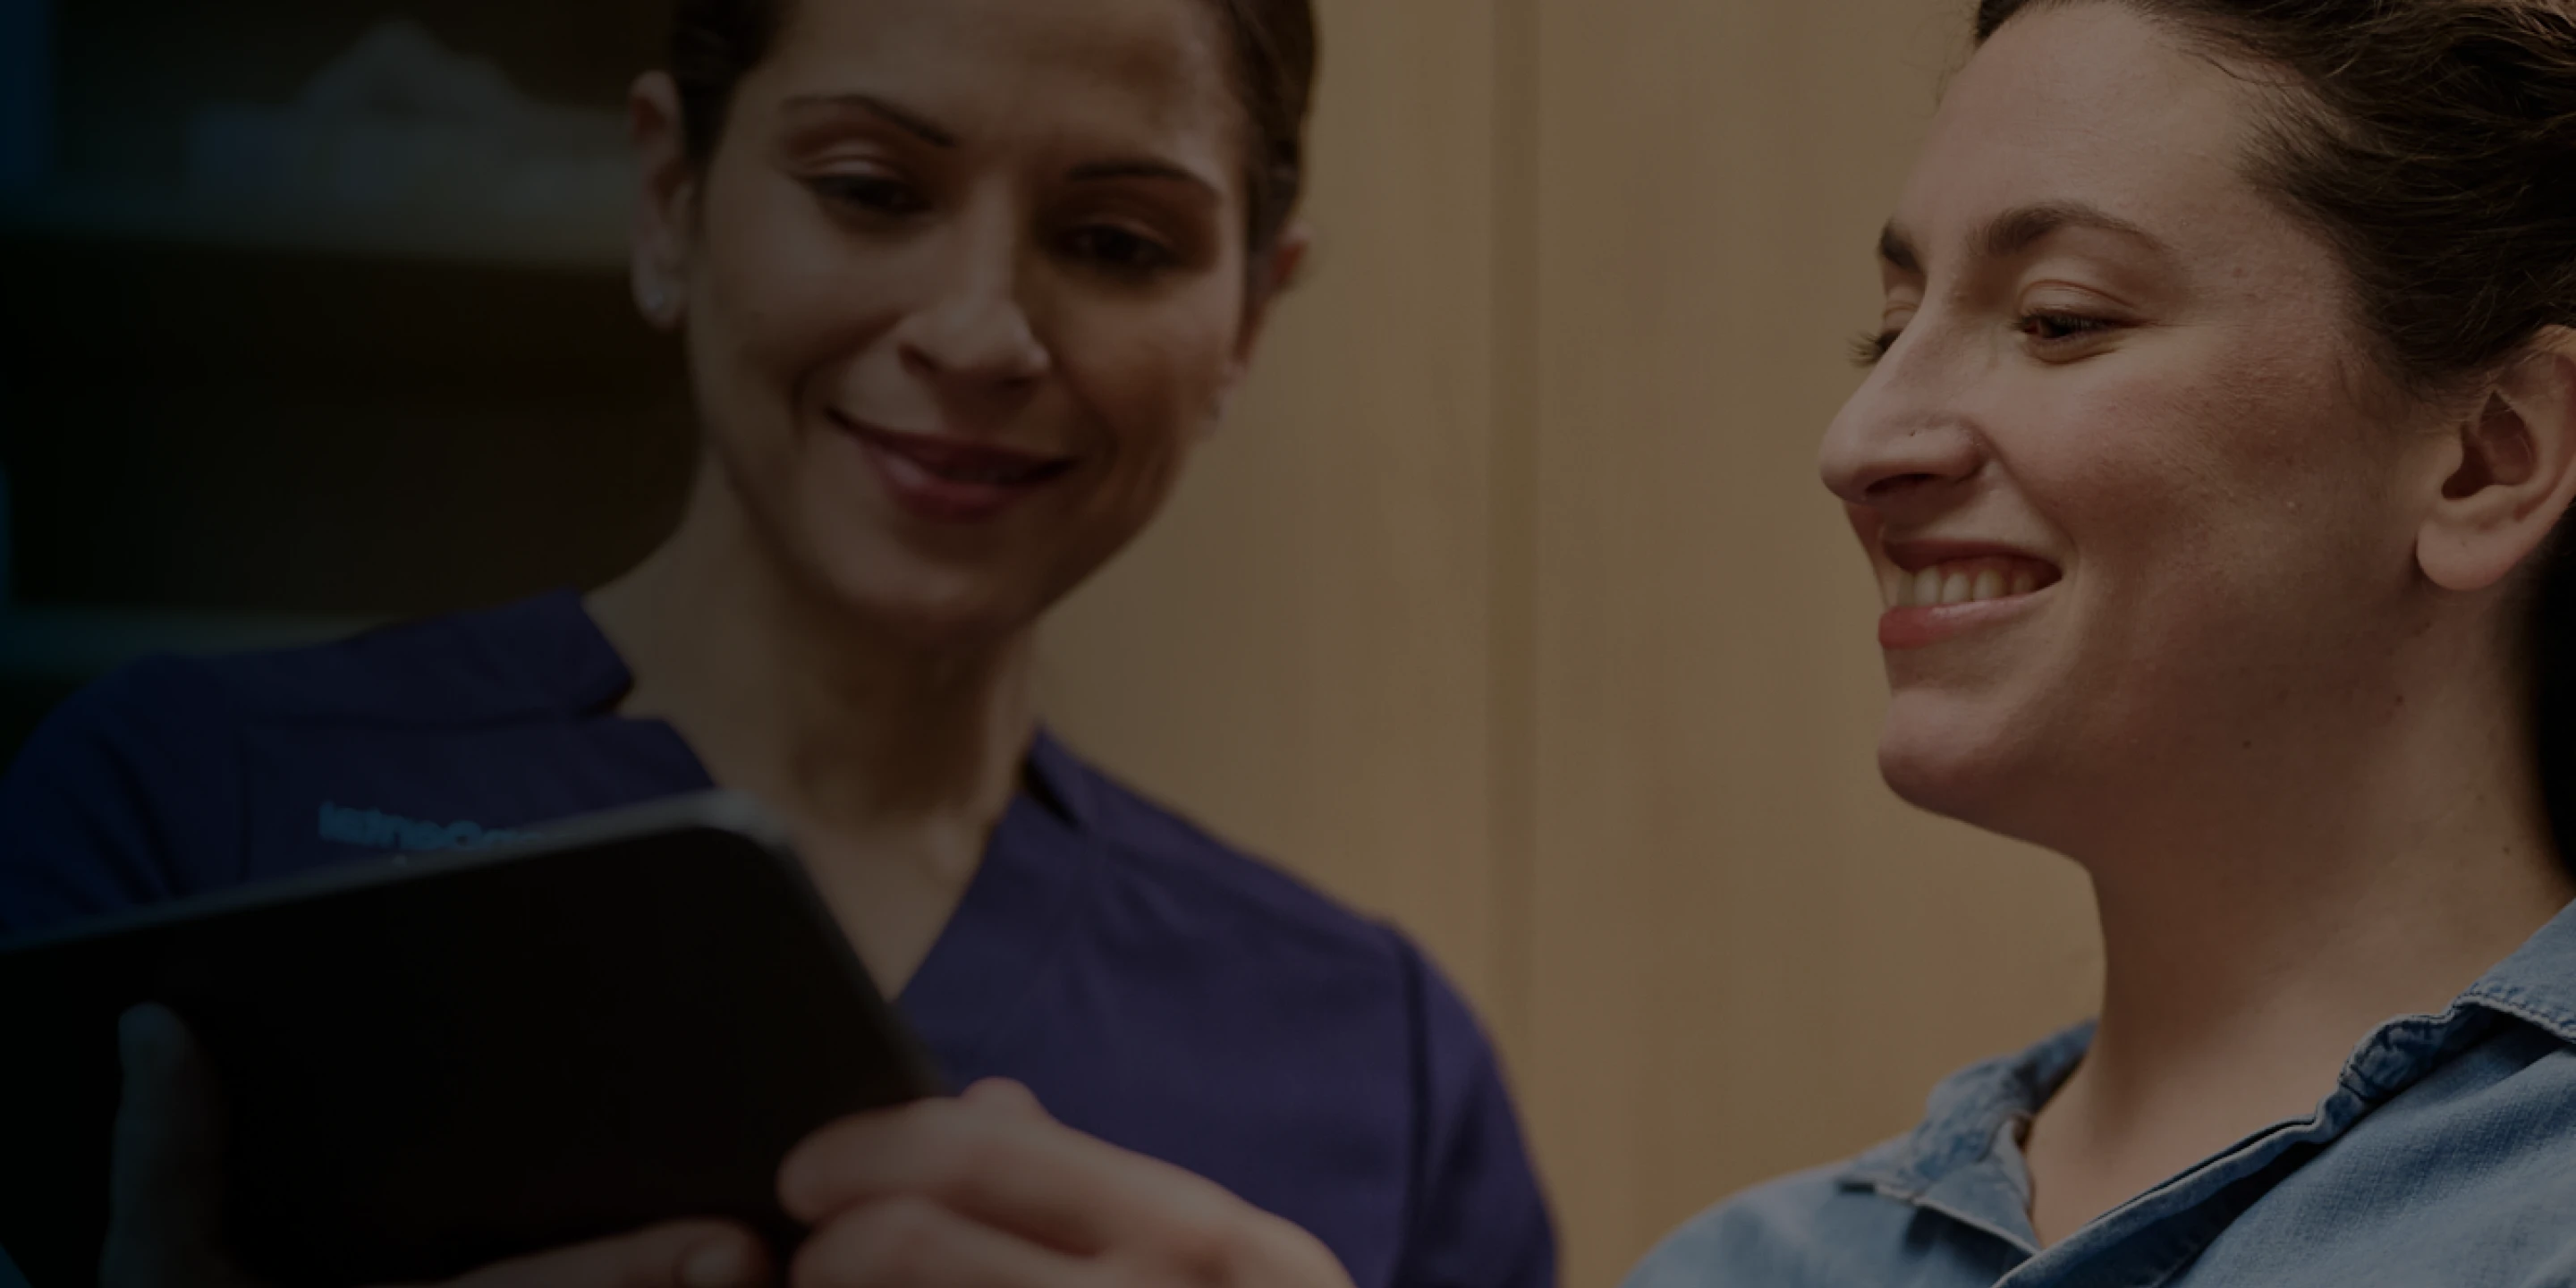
2537	984
1964	1160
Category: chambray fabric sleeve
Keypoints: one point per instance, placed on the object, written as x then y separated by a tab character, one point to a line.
126	795
1479	1218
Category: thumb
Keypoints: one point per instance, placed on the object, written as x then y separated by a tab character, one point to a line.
1004	1096
165	1180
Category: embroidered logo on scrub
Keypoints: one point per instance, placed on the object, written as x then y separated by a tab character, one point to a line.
383	831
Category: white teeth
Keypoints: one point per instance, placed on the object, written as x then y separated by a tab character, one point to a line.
1961	583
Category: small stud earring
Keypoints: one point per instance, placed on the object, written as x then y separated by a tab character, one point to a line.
655	299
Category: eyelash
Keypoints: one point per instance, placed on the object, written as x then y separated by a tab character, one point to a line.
2075	325
1145	257
870	194
1130	254
1870	347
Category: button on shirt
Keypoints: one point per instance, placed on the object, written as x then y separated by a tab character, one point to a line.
2445	1156
1155	987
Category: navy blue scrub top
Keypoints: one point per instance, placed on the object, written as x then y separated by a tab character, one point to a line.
1154	987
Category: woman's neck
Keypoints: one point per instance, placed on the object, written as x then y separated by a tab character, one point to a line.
842	725
2252	940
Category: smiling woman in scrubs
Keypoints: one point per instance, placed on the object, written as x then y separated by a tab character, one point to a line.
961	284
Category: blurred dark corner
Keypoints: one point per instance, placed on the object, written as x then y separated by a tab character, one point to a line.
314	313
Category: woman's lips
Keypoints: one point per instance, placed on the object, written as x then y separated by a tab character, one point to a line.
1900	629
949	481
1932	595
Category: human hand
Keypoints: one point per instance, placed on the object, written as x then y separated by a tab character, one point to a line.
988	1190
164	1224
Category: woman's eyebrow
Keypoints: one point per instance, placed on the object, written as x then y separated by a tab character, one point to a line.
1141	168
905	119
938	136
2017	230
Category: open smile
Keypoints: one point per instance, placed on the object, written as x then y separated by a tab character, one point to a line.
1933	595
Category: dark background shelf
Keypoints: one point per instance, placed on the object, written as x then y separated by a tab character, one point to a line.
129	72
215	432
239	430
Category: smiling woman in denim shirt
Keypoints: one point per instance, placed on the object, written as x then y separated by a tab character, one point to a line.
2216	431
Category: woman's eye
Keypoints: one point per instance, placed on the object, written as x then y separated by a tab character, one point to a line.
870	194
1120	250
1869	347
2050	328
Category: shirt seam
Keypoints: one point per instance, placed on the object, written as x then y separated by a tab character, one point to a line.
2558	1024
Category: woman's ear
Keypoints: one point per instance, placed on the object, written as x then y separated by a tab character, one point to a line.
2509	470
666	199
1271	279
1274	276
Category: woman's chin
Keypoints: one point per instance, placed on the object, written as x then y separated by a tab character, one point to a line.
957	600
934	610
1954	769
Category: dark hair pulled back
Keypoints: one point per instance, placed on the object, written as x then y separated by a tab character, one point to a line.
715	43
2433	144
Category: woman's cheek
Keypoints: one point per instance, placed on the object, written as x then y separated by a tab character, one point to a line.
1158	395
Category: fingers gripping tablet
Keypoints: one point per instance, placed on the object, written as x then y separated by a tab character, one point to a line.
422	1065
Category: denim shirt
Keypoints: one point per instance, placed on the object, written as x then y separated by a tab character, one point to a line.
2445	1155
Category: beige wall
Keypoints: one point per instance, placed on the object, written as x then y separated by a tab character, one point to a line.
1508	604
1298	652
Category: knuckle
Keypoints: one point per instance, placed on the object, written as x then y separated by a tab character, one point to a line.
810	1174
859	1158
935	1148
971	1150
907	1232
1212	1249
896	1241
950	1150
1231	1248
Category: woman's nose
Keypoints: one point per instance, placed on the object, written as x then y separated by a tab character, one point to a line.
1898	446
973	327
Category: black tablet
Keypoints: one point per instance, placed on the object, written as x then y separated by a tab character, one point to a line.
431	1063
